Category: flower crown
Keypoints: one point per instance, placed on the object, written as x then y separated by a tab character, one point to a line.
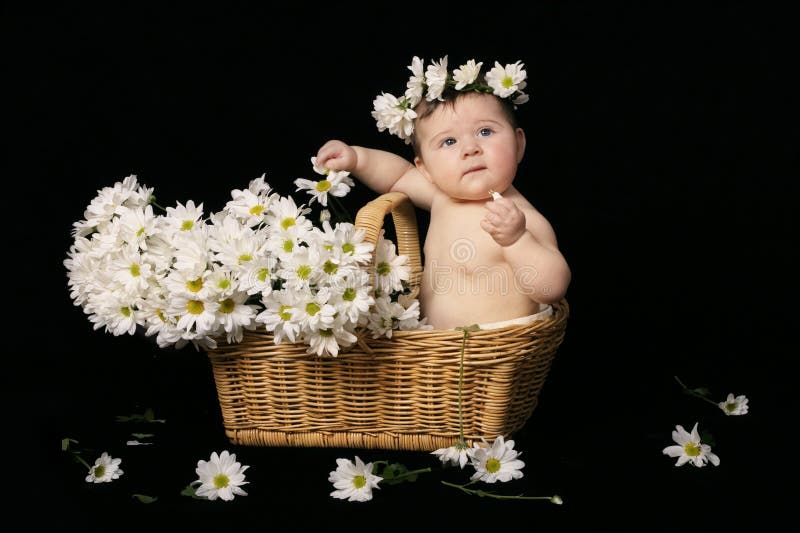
397	114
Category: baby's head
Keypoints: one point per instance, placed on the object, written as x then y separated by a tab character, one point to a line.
461	124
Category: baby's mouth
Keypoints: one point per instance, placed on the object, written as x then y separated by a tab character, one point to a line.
474	169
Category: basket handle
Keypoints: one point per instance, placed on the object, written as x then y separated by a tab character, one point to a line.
370	219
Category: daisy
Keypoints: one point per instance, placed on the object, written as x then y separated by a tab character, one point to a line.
390	269
184	217
498	462
416	83
394	115
466	74
458	454
105	469
507	80
354	482
221	477
436	79
734	405
250	205
690	449
335	184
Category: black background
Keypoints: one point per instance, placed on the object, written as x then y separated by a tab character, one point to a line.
659	142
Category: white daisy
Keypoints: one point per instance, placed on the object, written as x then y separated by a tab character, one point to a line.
466	74
394	115
250	205
734	405
184	217
416	83
220	477
507	80
498	462
354	482
390	269
436	79
105	469
690	449
458	454
335	184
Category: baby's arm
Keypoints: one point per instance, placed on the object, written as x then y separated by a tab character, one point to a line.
379	170
529	246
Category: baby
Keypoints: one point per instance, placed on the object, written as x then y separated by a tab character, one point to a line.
490	257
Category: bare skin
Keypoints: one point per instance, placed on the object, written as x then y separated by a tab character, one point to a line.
485	260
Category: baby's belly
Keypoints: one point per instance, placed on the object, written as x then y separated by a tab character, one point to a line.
471	299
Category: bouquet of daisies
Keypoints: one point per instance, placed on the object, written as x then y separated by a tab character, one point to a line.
260	262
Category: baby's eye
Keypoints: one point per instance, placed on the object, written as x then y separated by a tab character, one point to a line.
485	132
448	142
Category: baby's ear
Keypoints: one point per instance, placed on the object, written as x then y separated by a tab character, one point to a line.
421	167
520	144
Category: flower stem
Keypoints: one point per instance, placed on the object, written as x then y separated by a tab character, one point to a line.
691	392
477	492
81	460
412	473
460	386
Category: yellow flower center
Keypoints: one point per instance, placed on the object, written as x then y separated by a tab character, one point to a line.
227	306
383	268
326	332
99	471
284	313
312	308
303	271
288	222
507	82
161	315
135	271
194	285
330	267
140	232
348	248
125	311
263	274
692	449
730	407
492	465
224	284
245	258
257	210
186	225
195	307
349	294
221	481
359	481
323	185
288	245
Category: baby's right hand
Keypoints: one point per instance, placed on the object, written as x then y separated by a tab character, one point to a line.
337	155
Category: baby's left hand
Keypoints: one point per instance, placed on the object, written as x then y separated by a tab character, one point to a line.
505	221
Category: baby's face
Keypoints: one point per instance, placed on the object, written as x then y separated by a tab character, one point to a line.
469	148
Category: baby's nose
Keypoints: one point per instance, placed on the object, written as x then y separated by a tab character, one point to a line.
470	149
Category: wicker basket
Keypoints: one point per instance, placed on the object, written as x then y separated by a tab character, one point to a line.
399	393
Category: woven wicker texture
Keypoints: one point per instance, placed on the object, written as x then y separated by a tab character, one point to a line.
399	393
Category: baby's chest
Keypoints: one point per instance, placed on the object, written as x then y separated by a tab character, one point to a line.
457	240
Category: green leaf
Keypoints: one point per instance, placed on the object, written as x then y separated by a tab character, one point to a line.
144	498
189	491
143	435
147	416
397	473
702	391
